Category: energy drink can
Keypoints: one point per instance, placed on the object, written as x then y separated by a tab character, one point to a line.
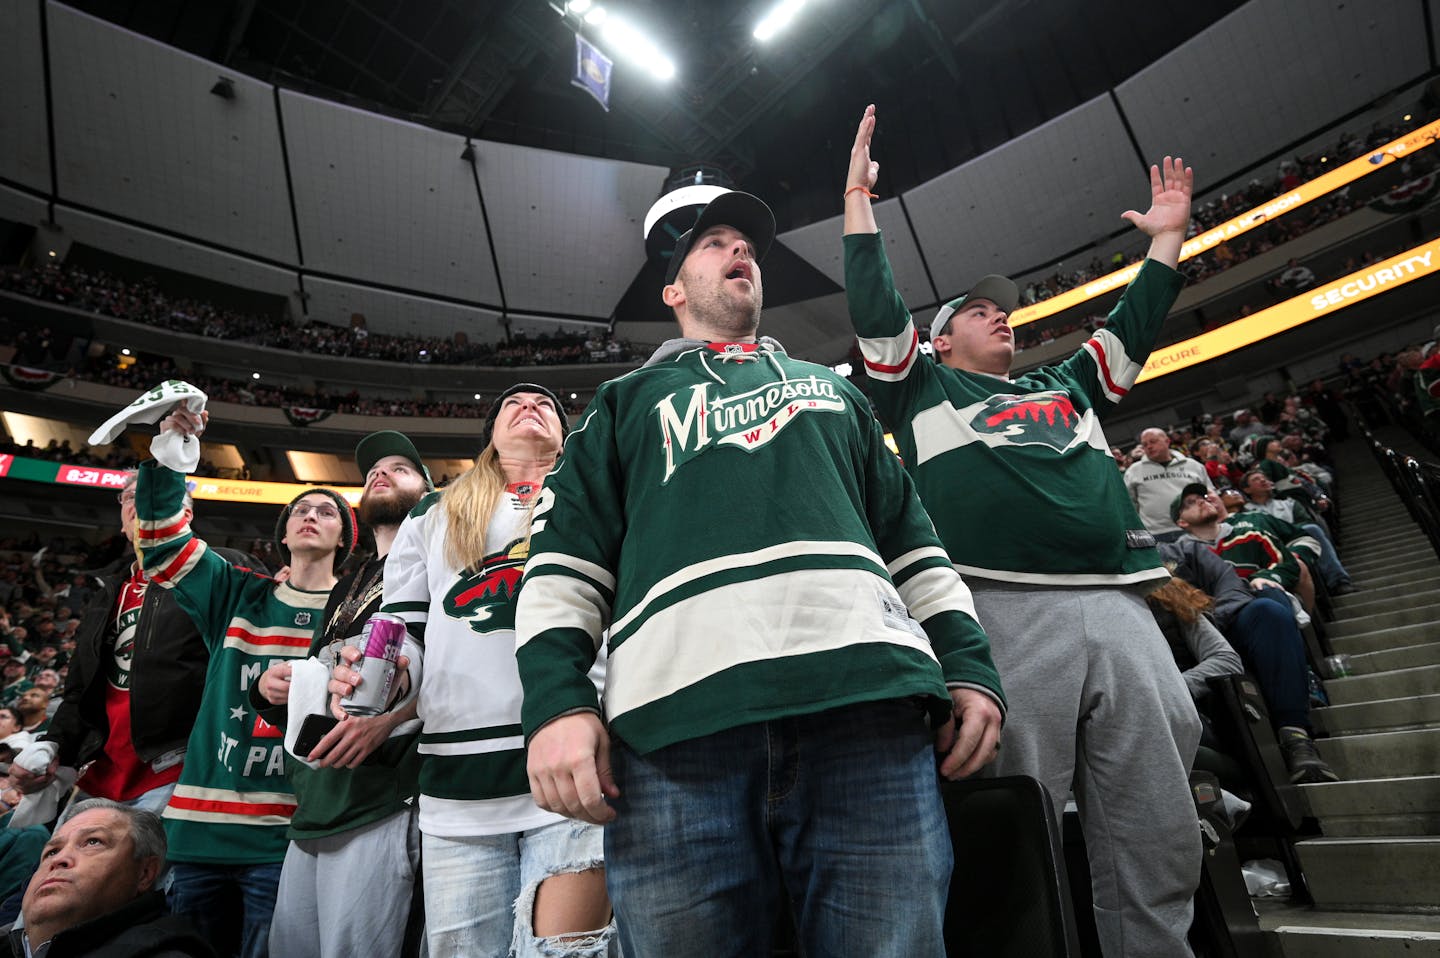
380	643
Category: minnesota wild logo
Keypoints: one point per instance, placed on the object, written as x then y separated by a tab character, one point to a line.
1043	419
485	597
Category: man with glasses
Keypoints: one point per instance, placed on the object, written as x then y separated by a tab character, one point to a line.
134	685
227	818
358	809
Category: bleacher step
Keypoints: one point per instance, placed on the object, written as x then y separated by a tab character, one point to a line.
1329	937
1384	685
1423	563
1382	514
1397	553
1386	715
1384	754
1297	931
1404	657
1376	807
1370	874
1377	639
1364	601
1385	542
1375	621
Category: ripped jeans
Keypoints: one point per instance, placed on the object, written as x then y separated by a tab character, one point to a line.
480	891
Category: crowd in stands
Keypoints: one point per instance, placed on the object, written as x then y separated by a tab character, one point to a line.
146	302
1289	174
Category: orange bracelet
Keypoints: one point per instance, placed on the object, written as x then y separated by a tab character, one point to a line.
863	190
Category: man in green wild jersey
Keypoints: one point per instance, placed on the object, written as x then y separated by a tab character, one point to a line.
789	644
1018	477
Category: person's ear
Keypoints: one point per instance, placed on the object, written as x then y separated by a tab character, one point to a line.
673	295
150	870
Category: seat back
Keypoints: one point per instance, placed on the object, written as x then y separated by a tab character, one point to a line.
1009	895
1243	725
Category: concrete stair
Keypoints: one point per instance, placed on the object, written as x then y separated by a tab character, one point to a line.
1309	933
1374	873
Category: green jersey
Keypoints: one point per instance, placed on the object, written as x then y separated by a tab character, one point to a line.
1016	473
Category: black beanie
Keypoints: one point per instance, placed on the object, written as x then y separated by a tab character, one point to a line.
524	388
349	528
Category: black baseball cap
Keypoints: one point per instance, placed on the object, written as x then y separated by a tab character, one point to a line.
1191	489
742	211
388	442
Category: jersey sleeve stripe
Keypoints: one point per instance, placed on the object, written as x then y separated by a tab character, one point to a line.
1116	371
180	566
890	357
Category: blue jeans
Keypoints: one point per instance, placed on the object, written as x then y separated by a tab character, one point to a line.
839	810
1267	638
1329	569
208	894
480	891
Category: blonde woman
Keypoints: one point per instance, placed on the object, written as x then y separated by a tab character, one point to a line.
501	875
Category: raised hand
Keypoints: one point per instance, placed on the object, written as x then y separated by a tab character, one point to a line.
1171	185
864	171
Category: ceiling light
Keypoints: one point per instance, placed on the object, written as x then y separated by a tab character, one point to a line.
777	19
124	352
477	395
52	253
572	395
254	375
1407	118
636	47
596	16
578	7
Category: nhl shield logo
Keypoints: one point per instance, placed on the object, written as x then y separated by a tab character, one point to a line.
1034	419
302	618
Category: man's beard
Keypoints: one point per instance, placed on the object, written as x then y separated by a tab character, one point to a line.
718	310
388	508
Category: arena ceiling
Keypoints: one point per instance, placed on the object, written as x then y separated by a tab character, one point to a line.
955	78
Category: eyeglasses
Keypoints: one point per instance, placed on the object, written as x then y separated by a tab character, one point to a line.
322	511
126	498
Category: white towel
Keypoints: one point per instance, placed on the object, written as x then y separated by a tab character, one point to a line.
309	695
172	450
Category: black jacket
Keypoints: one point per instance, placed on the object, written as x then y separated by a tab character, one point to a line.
167	673
141	929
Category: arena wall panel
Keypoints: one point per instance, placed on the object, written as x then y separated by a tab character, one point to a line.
139	135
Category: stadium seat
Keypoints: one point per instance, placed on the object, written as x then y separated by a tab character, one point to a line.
1009	895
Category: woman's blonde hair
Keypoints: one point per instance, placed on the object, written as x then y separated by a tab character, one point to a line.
470	503
1181	599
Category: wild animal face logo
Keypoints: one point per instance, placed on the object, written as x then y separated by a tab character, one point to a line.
1034	419
486	597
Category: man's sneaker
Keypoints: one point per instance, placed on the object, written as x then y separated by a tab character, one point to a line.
1344	587
1302	758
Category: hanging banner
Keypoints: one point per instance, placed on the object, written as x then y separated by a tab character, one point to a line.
592	71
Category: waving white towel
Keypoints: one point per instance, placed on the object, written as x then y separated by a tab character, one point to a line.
171	449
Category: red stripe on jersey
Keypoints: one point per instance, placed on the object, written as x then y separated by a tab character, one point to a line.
1105	369
287	641
882	368
230	808
162	533
178	563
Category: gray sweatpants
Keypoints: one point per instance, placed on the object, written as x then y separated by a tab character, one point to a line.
348	894
1097	704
